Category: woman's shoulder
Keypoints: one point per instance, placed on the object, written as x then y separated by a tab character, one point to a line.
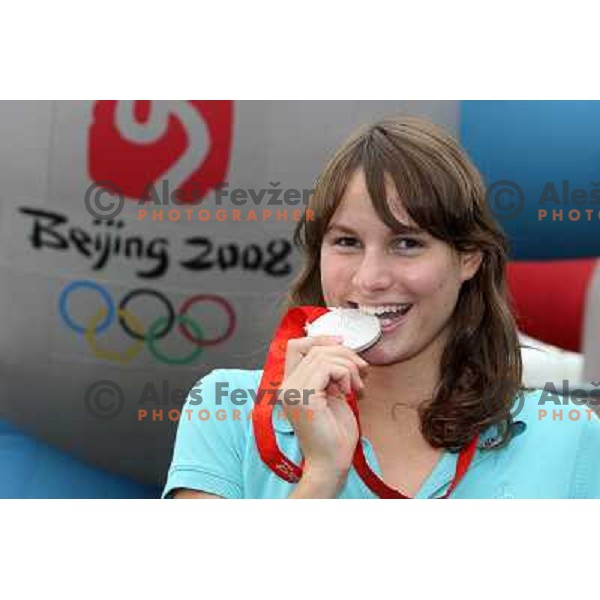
561	434
547	412
226	388
233	377
212	433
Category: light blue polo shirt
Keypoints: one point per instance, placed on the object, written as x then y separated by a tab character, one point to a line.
549	456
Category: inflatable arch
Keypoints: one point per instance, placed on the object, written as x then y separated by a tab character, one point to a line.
121	283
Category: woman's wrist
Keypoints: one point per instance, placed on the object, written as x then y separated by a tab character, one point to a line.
319	482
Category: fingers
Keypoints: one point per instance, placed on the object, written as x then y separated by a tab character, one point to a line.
319	353
352	368
326	346
321	370
298	348
341	375
323	364
301	348
325	424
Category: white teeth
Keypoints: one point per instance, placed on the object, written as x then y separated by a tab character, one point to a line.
378	310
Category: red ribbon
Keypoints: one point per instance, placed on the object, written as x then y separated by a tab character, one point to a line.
293	326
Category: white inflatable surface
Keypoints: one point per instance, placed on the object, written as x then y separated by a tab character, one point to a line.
82	298
544	364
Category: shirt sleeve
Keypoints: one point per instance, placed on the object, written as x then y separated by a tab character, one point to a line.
210	441
586	477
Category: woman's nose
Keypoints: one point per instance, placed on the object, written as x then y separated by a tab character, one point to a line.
373	273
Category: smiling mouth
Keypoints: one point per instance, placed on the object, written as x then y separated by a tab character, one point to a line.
387	314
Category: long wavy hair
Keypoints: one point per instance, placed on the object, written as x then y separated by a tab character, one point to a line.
442	191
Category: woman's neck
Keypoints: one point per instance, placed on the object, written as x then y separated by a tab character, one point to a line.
389	405
408	383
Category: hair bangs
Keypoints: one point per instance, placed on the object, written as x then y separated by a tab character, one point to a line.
424	188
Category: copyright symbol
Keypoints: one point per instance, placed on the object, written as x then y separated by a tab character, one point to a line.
505	198
518	405
104	200
104	408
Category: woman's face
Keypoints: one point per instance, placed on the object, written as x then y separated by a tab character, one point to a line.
412	278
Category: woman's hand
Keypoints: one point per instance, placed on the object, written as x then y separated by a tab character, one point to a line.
324	423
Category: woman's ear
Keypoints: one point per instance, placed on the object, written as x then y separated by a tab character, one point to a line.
469	264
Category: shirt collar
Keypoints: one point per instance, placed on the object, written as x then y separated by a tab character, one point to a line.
492	436
488	439
443	473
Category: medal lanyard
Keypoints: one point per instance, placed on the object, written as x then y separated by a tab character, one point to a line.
293	326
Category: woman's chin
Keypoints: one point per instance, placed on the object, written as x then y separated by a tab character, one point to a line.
380	355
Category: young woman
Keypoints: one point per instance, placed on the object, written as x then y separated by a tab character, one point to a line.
401	230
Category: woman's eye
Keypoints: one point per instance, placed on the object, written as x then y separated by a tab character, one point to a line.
401	244
345	241
408	243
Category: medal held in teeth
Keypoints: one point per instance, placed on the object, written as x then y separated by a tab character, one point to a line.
358	330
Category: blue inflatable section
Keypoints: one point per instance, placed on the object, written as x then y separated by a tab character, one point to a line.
550	150
541	155
30	469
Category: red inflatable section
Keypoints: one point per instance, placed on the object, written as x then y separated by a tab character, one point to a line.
549	299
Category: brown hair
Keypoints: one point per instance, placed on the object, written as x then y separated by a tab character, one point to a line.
444	194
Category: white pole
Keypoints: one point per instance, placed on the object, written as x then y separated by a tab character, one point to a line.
591	330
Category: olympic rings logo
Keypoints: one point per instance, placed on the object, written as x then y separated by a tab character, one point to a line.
134	328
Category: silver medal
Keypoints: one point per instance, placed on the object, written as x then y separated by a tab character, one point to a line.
358	330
